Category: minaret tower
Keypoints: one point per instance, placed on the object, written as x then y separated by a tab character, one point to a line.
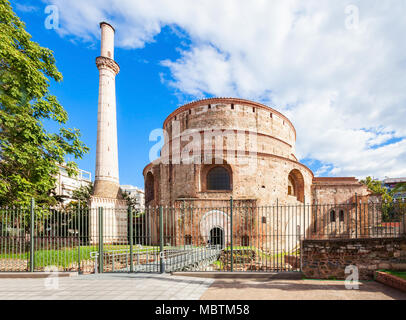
106	176
107	193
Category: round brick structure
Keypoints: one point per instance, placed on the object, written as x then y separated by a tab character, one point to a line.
222	147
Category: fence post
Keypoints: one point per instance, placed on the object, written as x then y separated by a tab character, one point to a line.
131	240
356	216
32	226
161	240
184	223
304	233
403	219
100	240
231	235
78	224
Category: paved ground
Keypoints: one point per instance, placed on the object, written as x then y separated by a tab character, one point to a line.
298	290
105	287
166	287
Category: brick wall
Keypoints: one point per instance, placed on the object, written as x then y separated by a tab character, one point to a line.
327	259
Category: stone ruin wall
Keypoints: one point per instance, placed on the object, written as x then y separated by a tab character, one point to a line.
328	259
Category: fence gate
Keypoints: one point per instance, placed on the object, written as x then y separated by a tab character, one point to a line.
185	238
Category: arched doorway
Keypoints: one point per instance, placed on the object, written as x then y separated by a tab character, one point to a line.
217	237
212	221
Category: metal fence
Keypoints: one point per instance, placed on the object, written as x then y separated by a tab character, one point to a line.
234	237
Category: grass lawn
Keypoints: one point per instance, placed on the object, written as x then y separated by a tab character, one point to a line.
65	257
400	274
68	256
263	255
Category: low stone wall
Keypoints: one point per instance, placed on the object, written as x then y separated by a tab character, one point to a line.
327	259
391	280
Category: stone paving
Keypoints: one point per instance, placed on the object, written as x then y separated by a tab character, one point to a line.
298	290
105	287
167	287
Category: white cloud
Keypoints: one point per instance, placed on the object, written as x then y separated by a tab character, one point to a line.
344	89
26	8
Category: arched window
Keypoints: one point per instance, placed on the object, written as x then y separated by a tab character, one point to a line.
188	239
218	178
149	188
332	216
245	241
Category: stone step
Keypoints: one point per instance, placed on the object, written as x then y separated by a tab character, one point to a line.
35	275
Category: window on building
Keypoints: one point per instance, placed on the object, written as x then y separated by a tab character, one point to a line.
188	240
332	216
341	216
218	178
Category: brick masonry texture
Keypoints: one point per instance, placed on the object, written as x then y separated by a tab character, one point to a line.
327	259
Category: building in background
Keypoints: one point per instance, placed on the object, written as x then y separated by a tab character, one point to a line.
391	183
65	185
135	193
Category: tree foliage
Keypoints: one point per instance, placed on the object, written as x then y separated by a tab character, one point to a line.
29	154
81	197
131	201
376	186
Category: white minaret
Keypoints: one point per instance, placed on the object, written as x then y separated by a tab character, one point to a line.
107	193
106	176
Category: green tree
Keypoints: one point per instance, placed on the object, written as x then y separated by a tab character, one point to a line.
389	208
131	201
376	186
81	196
29	154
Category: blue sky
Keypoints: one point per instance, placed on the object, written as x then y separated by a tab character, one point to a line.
143	101
337	70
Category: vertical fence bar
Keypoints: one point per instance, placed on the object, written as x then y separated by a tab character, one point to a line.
356	216
161	240
78	227
32	225
231	236
100	240
301	239
131	240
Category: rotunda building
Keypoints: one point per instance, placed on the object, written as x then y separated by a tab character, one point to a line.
219	148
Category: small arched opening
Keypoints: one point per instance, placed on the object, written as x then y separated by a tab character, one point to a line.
245	241
149	188
341	216
188	240
296	185
333	216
